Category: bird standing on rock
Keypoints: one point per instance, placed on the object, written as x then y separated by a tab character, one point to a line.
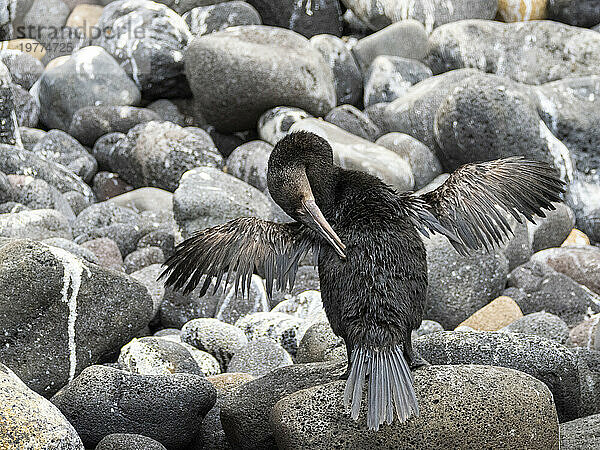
371	260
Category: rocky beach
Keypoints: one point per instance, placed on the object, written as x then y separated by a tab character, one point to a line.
127	125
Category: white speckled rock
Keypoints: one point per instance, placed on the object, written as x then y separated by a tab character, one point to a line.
282	328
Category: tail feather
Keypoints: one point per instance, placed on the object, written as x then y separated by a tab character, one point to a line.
390	387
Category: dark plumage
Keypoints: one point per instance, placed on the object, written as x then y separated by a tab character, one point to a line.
371	260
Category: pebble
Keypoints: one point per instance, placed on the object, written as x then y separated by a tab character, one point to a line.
148	40
158	153
576	238
128	441
85	17
580	434
497	314
522	10
347	76
92	122
106	251
26	108
29	418
389	77
447	395
37	194
208	19
319	343
156	356
143	257
578	263
23	67
176	309
355	153
148	276
380	13
547	40
407	39
60	147
109	184
220	339
461	285
543	324
580	13
283	329
259	357
245	413
583	334
88	77
535	286
35	224
274	124
207	197
424	164
249	69
249	163
552	230
87	311
305	18
546	360
354	121
103	400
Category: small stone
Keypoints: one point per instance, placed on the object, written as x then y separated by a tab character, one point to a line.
552	230
88	77
92	122
220	339
145	199
354	121
245	413
31	136
24	69
85	17
274	124
423	162
208	19
319	343
72	247
76	201
407	39
347	77
354	153
522	10
497	314
583	334
580	434
576	238
108	184
259	357
249	163
282	328
540	288
29	46
127	441
59	147
207	197
29	418
155	356
541	324
148	40
143	257
106	251
427	327
167	408
389	77
35	224
580	13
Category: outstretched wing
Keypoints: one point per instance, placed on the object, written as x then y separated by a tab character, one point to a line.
238	248
471	203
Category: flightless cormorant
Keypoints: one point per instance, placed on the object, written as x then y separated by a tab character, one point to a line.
371	260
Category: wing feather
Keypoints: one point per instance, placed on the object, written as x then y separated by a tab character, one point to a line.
237	249
470	206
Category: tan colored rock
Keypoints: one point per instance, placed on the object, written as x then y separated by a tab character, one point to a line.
495	315
576	237
57	61
228	382
85	17
583	334
31	46
522	10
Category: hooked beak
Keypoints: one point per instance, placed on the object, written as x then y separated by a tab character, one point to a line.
313	217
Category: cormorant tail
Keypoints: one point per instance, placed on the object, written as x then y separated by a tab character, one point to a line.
390	386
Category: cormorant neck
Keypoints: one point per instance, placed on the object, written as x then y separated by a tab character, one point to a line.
323	181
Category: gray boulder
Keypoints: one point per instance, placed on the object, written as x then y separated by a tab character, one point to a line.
166	408
88	77
31	418
35	224
580	434
459	408
24	68
542	324
249	69
580	13
87	311
128	441
217	17
546	360
249	163
354	121
259	357
158	153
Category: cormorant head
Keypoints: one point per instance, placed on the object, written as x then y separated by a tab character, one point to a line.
301	180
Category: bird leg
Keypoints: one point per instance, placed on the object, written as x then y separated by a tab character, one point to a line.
414	360
345	375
